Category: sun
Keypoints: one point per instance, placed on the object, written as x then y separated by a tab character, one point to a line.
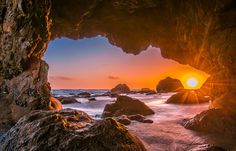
192	82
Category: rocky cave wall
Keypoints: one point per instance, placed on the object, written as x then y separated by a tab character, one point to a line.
199	33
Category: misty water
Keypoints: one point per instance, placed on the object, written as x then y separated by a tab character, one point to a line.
166	133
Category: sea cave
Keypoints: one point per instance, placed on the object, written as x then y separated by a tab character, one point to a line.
198	33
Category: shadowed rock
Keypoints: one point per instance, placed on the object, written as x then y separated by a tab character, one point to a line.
214	121
126	105
67	100
120	88
83	95
169	85
68	130
123	119
188	97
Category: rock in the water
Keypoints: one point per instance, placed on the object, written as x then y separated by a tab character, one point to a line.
120	88
169	85
188	97
67	100
128	106
215	121
123	119
114	95
136	117
68	130
140	118
92	99
147	91
83	95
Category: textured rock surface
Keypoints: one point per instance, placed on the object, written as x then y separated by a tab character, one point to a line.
214	121
188	97
120	88
24	33
28	91
68	130
125	105
169	85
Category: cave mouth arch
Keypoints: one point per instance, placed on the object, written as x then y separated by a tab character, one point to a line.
96	57
71	52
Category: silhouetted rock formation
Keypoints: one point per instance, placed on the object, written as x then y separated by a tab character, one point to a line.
188	97
67	100
120	88
169	85
127	106
214	121
68	130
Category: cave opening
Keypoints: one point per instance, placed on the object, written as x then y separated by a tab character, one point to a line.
92	63
95	66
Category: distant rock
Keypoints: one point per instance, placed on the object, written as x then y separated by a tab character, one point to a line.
83	95
128	106
114	95
92	99
188	97
214	121
68	130
169	85
147	91
120	88
67	100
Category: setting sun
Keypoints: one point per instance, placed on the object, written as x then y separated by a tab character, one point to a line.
192	82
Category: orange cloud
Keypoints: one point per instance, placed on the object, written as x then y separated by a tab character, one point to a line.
64	78
113	77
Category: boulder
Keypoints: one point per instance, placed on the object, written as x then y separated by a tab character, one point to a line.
140	118
213	121
169	85
83	95
92	99
120	88
123	119
68	130
188	97
136	117
128	106
114	95
67	100
147	91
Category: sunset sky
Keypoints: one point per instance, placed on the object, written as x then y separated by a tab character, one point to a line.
95	63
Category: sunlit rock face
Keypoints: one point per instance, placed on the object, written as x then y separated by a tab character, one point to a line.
24	33
199	33
68	130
